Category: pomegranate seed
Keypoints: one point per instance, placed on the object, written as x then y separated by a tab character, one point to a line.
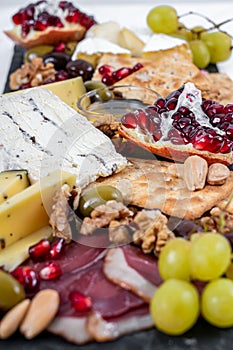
229	132
183	110
105	69
201	143
228	108
25	28
50	271
61	75
74	15
129	120
28	277
80	302
157	135
224	126
160	103
57	248
40	26
171	104
187	129
64	5
226	146
55	21
175	94
121	73
25	86
142	119
137	66
87	21
107	79
17	18
40	250
60	47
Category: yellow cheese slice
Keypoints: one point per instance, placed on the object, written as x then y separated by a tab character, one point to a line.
29	210
12	182
15	254
69	91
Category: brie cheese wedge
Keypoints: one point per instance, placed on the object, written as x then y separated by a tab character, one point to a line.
41	133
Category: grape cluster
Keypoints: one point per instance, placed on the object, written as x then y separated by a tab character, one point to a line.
208	45
197	277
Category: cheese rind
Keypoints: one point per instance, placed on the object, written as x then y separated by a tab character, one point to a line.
15	254
29	210
12	182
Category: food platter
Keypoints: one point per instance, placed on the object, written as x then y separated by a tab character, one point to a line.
201	336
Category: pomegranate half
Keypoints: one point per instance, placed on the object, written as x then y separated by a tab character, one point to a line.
49	22
183	124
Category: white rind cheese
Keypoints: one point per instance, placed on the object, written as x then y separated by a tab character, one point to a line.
91	46
40	133
159	42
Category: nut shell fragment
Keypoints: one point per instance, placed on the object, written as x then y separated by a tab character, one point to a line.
217	174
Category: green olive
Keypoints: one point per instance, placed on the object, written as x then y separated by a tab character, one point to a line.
11	291
37	51
70	47
102	93
96	196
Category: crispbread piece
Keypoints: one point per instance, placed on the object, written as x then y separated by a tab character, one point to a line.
224	84
163	75
150	184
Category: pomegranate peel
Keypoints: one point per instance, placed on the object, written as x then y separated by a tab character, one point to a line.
50	36
178	152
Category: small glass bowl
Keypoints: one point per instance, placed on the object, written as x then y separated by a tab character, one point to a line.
115	101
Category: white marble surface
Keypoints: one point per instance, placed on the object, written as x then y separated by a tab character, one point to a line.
131	13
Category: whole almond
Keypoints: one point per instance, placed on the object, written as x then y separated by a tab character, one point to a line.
13	318
42	311
195	172
217	174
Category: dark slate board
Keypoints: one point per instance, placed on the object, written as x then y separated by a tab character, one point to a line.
201	337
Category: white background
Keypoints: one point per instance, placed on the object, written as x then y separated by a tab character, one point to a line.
131	13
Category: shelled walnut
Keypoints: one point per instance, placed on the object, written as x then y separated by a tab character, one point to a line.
103	215
34	73
152	233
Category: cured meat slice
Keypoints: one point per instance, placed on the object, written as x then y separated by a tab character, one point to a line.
73	329
82	272
133	270
105	330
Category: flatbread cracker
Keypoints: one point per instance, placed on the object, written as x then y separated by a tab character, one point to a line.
164	75
149	184
224	85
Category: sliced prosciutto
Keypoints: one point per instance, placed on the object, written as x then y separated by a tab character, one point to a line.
130	268
112	307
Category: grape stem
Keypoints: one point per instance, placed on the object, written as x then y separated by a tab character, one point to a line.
214	25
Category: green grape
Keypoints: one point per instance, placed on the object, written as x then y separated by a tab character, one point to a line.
175	306
219	45
174	260
197	32
217	302
200	52
162	19
183	32
209	256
